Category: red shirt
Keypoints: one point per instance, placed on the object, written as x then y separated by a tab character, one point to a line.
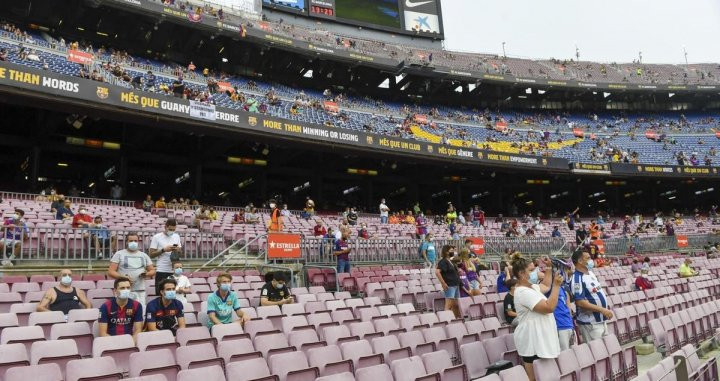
78	218
319	231
643	283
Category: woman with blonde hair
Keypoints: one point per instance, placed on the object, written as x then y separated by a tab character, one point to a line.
467	264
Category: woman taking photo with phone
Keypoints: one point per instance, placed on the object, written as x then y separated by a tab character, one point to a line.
536	333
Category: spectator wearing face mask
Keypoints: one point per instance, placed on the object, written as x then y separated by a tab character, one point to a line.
165	312
133	265
182	283
275	292
63	297
276	219
82	219
447	274
14	232
64	212
536	334
163	247
342	252
427	251
591	301
223	303
562	313
121	315
421	226
363	232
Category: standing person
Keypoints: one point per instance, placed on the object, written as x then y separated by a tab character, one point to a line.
134	266
427	251
165	312
590	299
384	212
580	235
64	297
570	218
121	315
421	225
509	302
183	284
447	274
535	335
163	247
222	303
342	252
309	208
503	277
276	219
467	264
563	315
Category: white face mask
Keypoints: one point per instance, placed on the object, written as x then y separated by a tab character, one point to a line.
272	206
16	216
83	211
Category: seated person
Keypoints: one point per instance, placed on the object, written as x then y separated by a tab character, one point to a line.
100	238
160	204
685	270
642	282
213	214
121	315
165	312
14	232
183	283
394	219
222	303
64	212
252	216
409	219
239	217
64	297
275	292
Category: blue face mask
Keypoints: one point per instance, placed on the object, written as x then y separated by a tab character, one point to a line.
124	294
170	295
178	271
534	278
225	287
132	246
66	280
590	264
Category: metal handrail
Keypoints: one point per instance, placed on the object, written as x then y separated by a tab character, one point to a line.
76	200
227	250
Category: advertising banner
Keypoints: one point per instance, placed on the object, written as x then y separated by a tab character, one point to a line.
682	241
283	245
225	87
478	245
662	170
77	56
422	16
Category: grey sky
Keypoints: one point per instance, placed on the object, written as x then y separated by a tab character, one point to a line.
603	30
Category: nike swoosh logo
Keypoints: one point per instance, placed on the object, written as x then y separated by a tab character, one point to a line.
410	4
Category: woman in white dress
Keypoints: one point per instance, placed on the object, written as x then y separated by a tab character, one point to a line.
536	333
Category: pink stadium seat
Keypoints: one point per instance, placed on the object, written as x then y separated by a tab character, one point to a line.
198	356
209	373
159	361
292	366
12	355
97	369
78	332
328	360
237	350
374	373
118	347
44	372
251	369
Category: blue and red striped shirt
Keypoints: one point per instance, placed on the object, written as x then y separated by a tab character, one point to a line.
120	321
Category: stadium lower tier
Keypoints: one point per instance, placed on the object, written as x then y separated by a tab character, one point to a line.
394	331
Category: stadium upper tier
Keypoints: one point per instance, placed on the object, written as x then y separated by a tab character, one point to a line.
678	139
552	69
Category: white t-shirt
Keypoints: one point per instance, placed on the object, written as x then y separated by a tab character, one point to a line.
384	210
159	241
536	333
182	282
132	264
